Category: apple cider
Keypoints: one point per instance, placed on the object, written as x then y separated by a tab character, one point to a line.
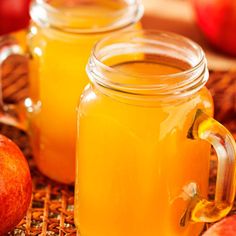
61	38
139	171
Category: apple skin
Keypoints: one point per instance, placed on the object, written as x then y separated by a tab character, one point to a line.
15	185
14	15
225	227
217	21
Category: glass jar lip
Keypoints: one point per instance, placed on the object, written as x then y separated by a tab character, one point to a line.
199	64
51	16
151	43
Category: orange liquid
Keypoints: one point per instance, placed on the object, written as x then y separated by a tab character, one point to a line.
134	162
57	80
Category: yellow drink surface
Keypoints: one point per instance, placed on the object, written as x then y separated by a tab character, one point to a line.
135	163
57	79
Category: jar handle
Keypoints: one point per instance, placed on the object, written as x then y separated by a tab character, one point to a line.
10	114
207	128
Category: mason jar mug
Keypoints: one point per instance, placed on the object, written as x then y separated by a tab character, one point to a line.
145	128
60	39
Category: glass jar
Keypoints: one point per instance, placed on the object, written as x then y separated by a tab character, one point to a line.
144	120
60	40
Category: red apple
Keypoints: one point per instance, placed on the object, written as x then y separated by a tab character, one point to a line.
217	20
14	15
226	227
15	185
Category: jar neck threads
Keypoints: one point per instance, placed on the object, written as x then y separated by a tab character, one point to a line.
149	46
86	16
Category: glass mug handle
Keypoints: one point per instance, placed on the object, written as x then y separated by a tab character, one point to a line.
11	114
203	210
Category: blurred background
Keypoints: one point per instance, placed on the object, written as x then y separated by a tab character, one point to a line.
211	23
